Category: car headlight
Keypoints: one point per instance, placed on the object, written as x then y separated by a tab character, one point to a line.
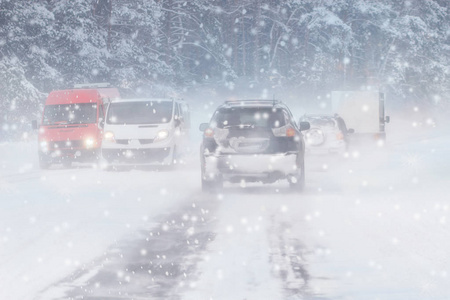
109	136
89	142
162	135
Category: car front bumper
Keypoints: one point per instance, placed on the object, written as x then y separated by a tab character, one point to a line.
132	157
73	155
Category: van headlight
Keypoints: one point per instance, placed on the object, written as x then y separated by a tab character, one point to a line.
109	136
161	135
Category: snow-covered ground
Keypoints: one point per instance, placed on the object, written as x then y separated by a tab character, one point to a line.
55	221
373	225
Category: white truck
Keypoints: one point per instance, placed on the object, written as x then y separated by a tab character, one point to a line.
363	111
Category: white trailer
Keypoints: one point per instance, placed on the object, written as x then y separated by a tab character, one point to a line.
362	111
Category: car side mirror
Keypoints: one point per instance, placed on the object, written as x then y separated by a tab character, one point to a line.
34	124
387	120
203	126
351	130
101	123
177	121
304	126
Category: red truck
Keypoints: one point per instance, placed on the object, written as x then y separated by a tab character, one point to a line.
71	125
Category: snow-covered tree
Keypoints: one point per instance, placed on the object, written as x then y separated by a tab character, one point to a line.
80	45
24	70
157	46
137	56
418	67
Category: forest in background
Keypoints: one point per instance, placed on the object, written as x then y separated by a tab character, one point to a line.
161	47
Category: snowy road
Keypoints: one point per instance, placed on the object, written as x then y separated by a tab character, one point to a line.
371	226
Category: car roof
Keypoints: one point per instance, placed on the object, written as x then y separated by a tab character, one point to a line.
323	116
252	103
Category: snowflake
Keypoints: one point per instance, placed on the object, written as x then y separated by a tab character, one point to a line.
411	161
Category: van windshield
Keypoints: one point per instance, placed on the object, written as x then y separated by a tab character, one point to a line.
142	112
79	113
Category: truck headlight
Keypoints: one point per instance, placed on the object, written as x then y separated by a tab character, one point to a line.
162	135
89	142
44	146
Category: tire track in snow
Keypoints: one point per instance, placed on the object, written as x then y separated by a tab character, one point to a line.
154	263
289	260
35	174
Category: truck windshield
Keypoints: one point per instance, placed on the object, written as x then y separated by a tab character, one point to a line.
79	113
142	112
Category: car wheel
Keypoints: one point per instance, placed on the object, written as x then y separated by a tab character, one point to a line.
43	164
315	137
297	182
97	159
174	160
212	186
171	164
106	166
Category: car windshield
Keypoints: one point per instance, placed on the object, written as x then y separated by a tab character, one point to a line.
80	113
249	116
140	112
321	122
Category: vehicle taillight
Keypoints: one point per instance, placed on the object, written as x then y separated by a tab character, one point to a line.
284	131
339	136
290	131
209	132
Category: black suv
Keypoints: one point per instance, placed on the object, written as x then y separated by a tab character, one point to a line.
252	140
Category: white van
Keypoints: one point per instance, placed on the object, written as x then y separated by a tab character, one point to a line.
145	132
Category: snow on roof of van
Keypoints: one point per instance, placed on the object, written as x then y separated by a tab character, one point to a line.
72	96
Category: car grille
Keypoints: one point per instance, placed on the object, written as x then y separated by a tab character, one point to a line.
127	141
145	141
74	144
